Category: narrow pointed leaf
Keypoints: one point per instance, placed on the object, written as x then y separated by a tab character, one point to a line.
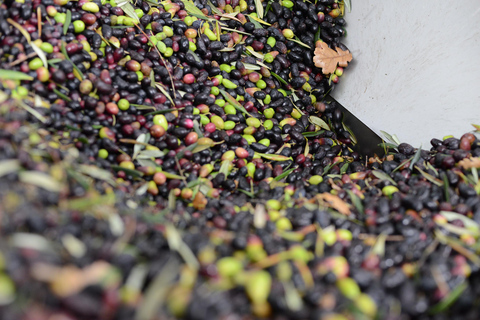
319	122
14	75
383	176
233	102
273	157
68	20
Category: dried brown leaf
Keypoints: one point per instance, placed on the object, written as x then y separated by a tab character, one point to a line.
334	202
328	59
199	202
69	280
470	163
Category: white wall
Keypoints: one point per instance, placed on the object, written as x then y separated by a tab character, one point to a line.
416	67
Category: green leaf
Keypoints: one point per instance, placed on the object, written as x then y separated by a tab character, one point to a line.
64	51
172	175
192	9
237	31
130	172
383	176
255	22
390	138
9	166
165	92
161	111
449	299
224	167
312	133
348	5
61	95
214	8
259	8
129	10
273	157
200	148
41	180
468	223
296	40
40	54
319	122
356	201
344	168
416	157
142	107
14	75
233	102
68	21
147	154
21	29
388	145
284	174
196	128
429	177
379	246
97	173
142	139
353	138
33	112
280	79
255	53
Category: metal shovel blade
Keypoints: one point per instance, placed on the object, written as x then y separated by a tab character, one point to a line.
367	141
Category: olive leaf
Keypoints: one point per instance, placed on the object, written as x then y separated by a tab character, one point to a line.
200	148
68	20
129	10
14	75
64	51
130	172
429	177
147	154
192	9
21	29
416	157
169	175
41	180
296	40
224	167
280	79
9	166
328	59
379	246
165	92
255	53
176	243
319	122
97	173
273	157
215	10
383	176
259	8
40	54
142	139
448	300
348	4
233	102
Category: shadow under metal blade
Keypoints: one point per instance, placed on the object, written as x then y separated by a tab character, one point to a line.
368	142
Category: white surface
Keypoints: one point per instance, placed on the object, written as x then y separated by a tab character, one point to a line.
416	67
